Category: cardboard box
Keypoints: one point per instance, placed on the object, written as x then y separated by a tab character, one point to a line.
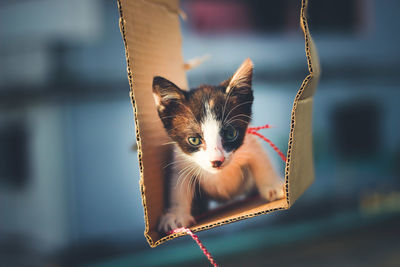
151	33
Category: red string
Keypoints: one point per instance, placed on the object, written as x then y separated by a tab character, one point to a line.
196	238
250	130
254	130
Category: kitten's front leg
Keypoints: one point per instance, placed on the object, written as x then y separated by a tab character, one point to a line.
179	212
269	185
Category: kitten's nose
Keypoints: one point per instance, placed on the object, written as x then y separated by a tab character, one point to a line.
217	163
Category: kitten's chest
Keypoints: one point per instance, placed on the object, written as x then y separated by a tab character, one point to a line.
232	181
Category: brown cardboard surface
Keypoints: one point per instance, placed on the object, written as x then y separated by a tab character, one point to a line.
242	211
299	164
152	38
151	34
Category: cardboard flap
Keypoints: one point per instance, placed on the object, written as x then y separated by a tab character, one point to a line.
299	172
152	38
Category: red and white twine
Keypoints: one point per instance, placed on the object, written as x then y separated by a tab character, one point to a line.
196	238
254	130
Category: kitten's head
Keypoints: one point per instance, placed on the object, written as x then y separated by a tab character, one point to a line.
208	123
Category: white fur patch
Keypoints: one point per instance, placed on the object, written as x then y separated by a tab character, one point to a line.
213	151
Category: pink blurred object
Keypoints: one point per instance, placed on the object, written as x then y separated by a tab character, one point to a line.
219	16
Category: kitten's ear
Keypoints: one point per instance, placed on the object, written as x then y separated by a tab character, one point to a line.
242	77
165	92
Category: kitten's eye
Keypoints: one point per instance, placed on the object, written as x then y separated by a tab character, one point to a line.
230	134
194	141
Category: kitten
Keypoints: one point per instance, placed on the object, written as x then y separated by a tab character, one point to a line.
208	128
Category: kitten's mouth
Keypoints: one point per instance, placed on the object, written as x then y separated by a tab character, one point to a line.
215	169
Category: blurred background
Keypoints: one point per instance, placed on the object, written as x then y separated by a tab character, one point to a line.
69	192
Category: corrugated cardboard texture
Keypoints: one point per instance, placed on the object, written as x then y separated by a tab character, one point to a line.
299	163
151	33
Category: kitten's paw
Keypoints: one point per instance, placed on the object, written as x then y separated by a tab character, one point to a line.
172	220
273	192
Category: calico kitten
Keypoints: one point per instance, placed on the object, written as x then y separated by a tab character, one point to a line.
208	127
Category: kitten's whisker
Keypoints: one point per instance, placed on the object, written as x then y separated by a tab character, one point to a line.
184	169
237	120
241	115
168	143
197	178
193	181
174	162
181	178
226	101
188	172
244	103
183	182
190	175
196	175
193	177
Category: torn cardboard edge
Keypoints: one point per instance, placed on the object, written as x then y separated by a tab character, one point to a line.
150	52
